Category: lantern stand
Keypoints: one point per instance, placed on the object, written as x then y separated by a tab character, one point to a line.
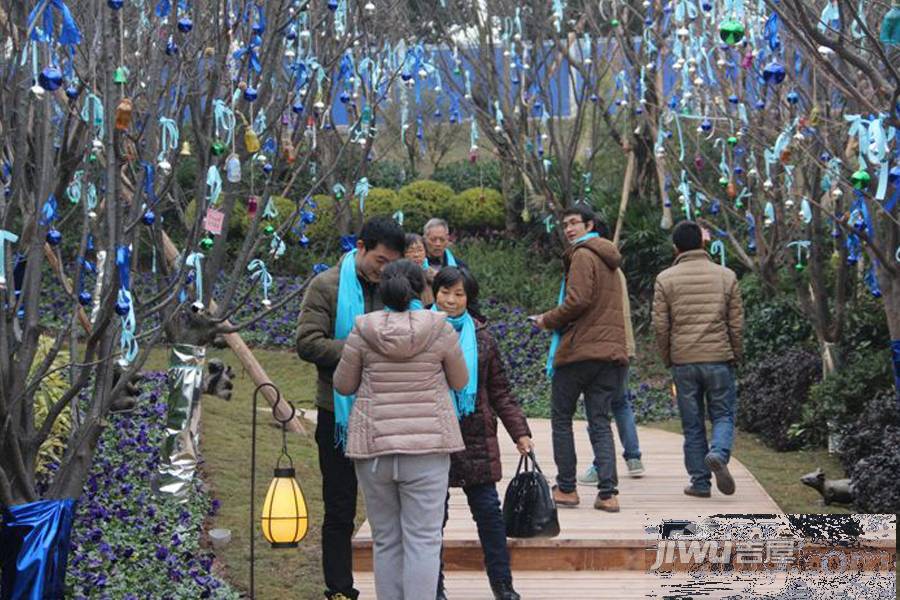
279	473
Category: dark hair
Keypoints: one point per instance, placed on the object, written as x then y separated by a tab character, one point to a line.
385	231
687	236
582	210
450	276
413	239
401	282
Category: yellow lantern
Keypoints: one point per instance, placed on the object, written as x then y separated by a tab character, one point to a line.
251	141
284	517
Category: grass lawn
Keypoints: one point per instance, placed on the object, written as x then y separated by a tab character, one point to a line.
225	443
226	450
780	472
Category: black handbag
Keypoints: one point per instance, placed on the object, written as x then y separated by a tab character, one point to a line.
528	506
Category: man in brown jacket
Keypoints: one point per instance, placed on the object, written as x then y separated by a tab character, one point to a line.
698	319
591	358
381	241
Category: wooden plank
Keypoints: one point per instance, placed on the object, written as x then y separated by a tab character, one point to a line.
645	502
633	585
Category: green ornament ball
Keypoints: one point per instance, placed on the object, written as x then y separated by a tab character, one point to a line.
731	31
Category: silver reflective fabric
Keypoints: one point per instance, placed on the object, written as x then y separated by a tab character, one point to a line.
180	447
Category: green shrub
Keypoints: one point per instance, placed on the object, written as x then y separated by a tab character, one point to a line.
389	174
381	202
772	396
477	209
843	395
463	175
324	229
513	272
771	324
422	200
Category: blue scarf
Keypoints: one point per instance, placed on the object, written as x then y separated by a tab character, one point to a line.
464	400
350	304
449	259
557	335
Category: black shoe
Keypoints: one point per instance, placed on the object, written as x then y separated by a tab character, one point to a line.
441	593
352	595
503	590
724	480
692	491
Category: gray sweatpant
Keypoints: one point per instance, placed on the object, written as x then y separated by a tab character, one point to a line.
405	506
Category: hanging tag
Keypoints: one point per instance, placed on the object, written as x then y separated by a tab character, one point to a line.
213	221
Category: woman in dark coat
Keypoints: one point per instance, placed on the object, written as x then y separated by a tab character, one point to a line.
477	468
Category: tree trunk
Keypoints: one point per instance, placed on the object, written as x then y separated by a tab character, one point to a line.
513	201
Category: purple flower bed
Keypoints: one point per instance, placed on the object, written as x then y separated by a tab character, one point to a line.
125	541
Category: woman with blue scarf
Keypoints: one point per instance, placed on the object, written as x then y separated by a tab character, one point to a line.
397	370
487	396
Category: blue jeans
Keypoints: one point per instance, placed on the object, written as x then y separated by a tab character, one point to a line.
712	383
485	506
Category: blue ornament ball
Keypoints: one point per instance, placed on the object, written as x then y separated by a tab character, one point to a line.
171	48
332	5
50	79
84	298
72	92
267	168
114	4
250	94
149	217
760	105
185	25
54	237
123	307
297	107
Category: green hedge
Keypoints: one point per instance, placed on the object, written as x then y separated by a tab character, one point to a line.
463	175
477	208
422	200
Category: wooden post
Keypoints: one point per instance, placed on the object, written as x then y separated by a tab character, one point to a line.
243	353
626	192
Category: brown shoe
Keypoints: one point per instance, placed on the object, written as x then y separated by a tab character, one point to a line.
610	504
565	499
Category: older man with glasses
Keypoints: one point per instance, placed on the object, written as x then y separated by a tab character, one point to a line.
588	355
437	245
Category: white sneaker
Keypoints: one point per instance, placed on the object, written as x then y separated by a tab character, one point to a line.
589	477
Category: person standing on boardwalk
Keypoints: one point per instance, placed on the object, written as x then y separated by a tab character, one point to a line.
587	355
698	320
436	234
332	302
401	363
622	409
477	469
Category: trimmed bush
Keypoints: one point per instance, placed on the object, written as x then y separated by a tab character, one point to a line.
772	396
874	478
381	202
422	200
463	175
865	436
477	209
843	395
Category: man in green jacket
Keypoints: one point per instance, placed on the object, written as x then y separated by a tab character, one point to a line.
381	241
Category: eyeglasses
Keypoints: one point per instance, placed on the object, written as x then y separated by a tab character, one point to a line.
572	223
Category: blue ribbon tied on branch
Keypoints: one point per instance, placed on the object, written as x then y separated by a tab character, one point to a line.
69	34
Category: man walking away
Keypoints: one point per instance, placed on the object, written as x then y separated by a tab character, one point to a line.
698	320
332	302
587	355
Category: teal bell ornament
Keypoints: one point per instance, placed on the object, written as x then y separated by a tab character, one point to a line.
890	27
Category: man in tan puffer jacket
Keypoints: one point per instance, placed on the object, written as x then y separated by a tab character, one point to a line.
698	321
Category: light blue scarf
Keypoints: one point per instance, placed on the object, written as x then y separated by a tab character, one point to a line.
557	335
448	258
464	400
350	304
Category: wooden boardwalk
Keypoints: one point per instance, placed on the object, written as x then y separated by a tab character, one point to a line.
597	554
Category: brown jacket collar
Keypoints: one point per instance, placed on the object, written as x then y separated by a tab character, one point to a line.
692	255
